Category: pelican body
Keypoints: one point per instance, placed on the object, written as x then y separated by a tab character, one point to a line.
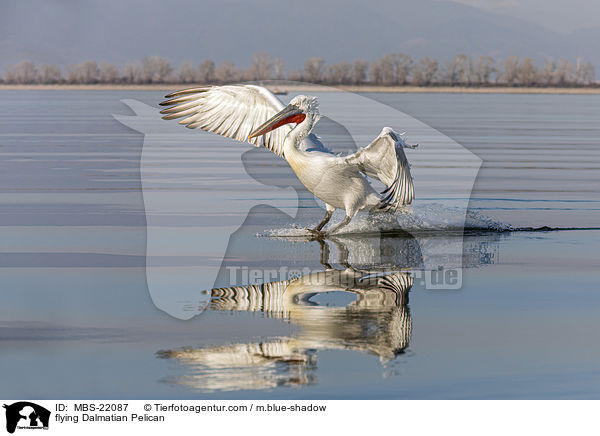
252	113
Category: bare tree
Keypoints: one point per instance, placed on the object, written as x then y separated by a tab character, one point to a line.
9	75
226	73
423	73
261	67
548	72
186	72
295	76
387	73
527	73
340	73
206	71
584	73
402	67
48	74
376	73
26	72
83	73
457	70
392	69
483	68
132	73
510	73
579	71
108	73
359	71
381	72
589	74
313	70
278	68
155	69
450	72
22	73
564	72
463	69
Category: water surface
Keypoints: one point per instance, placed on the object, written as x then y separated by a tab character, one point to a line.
77	317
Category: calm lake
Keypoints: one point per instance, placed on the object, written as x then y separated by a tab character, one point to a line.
105	236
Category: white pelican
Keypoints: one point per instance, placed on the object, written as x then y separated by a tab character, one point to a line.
252	113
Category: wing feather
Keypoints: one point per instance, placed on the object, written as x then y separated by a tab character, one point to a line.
233	111
384	160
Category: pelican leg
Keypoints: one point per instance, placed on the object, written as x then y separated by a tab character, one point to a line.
324	221
344	222
324	254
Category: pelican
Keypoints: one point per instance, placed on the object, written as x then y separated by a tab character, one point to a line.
252	113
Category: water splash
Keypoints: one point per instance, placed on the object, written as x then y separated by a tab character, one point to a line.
427	217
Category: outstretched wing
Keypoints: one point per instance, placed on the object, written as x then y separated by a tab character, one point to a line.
399	283
233	111
267	297
384	159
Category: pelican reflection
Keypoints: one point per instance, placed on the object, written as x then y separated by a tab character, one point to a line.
376	321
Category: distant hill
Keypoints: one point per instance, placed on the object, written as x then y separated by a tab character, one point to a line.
62	32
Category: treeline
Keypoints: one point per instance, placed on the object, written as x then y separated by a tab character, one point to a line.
394	69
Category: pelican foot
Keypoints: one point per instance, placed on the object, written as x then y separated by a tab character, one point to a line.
315	232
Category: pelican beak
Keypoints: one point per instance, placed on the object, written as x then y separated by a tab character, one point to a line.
291	114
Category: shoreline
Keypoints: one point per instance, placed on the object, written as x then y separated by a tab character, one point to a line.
318	88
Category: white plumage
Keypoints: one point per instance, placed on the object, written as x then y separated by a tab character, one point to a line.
252	113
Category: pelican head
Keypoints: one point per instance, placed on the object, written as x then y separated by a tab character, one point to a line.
299	109
307	104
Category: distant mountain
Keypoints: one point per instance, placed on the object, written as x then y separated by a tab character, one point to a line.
64	32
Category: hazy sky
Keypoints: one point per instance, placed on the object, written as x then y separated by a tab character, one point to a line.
69	31
561	15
